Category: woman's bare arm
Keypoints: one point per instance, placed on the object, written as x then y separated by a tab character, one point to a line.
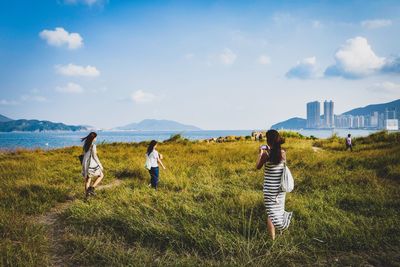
262	159
161	163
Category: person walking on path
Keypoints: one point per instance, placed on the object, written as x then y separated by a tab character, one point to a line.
153	158
91	165
349	144
272	157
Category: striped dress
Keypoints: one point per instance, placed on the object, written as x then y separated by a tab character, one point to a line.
274	198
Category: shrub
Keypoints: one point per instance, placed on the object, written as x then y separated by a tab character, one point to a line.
176	138
291	134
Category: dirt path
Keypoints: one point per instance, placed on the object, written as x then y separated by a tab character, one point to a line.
55	230
316	149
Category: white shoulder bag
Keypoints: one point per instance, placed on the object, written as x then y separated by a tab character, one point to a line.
147	165
287	181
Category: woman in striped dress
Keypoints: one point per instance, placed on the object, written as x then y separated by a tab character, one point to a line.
272	158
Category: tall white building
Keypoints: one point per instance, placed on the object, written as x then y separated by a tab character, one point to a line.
374	119
392	125
328	114
358	122
391	122
313	114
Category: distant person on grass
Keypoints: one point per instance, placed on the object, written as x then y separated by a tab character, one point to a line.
349	144
152	160
91	166
272	158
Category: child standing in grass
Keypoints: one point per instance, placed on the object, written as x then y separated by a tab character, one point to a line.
152	160
272	157
91	165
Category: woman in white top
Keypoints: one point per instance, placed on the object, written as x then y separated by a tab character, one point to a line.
152	160
91	165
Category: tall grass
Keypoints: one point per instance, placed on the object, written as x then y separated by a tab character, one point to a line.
209	208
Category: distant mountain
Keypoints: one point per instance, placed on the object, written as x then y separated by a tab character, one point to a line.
158	125
36	125
293	123
4	118
375	107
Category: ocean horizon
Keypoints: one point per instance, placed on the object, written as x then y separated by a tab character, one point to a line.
53	140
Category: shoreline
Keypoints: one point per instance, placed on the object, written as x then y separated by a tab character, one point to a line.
181	138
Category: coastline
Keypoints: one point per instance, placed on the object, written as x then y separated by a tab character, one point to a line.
55	140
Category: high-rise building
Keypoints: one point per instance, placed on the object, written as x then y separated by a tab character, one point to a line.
374	119
391	125
391	122
313	114
343	121
390	114
381	121
358	122
328	114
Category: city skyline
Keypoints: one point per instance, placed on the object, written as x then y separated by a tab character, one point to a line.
387	120
213	64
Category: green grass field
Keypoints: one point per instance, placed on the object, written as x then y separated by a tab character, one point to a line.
208	209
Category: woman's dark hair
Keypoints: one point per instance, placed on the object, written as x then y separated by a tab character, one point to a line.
151	146
88	141
275	141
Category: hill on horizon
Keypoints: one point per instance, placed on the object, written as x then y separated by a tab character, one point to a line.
367	110
4	118
158	125
293	123
37	125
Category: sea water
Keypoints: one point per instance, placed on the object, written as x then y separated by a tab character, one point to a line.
51	140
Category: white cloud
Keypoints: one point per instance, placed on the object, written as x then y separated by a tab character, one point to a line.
76	70
376	23
84	2
316	24
355	59
227	57
60	37
24	98
189	56
70	88
264	60
392	65
304	69
5	102
33	98
142	97
283	18
99	90
388	88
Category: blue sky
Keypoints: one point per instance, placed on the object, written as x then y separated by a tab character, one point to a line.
214	64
